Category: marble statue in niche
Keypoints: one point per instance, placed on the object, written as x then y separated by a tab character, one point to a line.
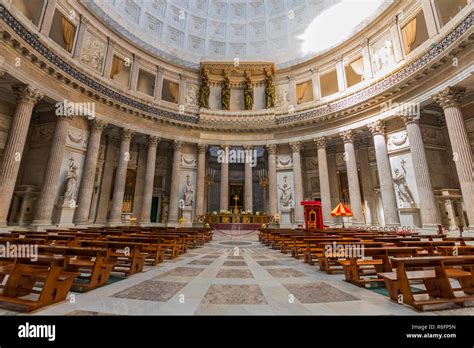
204	90
188	193
225	94
270	93
401	185
286	196
248	93
71	181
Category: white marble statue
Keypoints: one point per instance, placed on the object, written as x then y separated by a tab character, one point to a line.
286	194
188	193
401	185
71	182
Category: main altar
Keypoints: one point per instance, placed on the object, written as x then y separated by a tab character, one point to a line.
237	216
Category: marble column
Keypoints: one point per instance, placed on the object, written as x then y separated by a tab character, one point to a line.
367	186
324	185
298	178
115	215
26	97
44	205
106	181
88	173
145	212
352	177
248	184
429	208
201	179
272	180
173	212
387	190
224	201
140	181
450	99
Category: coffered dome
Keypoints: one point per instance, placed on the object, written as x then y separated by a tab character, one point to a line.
189	31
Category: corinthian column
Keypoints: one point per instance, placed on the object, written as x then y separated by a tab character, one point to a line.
248	200
429	208
296	156
44	205
120	177
145	212
367	186
174	191
324	186
272	179
387	190
201	176
224	202
26	97
450	100
88	173
352	177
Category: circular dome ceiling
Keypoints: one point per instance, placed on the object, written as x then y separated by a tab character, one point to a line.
285	32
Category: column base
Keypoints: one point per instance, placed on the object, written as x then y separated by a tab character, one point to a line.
36	223
173	223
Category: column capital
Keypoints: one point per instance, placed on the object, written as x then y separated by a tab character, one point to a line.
347	136
127	134
376	127
178	145
26	93
296	146
202	148
224	147
153	140
409	118
320	142
271	148
450	96
97	124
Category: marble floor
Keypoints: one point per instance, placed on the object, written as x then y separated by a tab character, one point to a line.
233	276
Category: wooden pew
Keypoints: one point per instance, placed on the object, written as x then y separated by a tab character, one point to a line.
46	279
429	247
435	272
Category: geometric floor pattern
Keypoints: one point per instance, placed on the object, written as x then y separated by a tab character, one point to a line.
233	277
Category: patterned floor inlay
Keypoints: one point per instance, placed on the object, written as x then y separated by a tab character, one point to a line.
260	257
211	256
88	313
234	273
235	243
234	294
285	273
182	272
269	263
152	290
202	262
235	257
235	263
318	293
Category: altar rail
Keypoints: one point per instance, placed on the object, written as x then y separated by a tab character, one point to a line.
237	218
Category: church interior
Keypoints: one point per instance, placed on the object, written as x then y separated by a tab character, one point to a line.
236	157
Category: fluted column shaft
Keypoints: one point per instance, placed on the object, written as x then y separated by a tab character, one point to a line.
120	177
174	190
450	100
387	190
145	212
26	97
272	180
248	184
201	178
324	185
429	208
224	201
88	174
44	205
367	187
106	182
352	177
298	177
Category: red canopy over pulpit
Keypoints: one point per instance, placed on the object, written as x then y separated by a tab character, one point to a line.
313	215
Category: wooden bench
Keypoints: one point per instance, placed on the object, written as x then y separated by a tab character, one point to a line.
435	272
429	247
35	284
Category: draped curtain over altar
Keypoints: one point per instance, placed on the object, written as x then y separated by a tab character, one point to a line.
68	33
409	35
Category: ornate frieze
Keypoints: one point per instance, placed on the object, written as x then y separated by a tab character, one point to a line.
397	141
93	51
284	161
77	138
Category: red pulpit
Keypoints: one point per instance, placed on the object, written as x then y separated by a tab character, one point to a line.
313	215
